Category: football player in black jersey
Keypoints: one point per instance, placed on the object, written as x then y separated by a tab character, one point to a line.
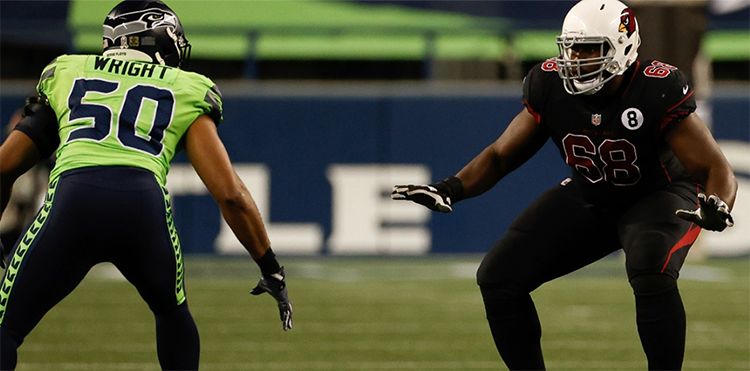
646	177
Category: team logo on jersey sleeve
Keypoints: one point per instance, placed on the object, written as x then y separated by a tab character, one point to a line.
596	119
632	118
550	65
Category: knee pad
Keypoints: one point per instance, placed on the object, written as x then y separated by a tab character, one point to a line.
500	287
10	338
179	310
492	294
652	284
647	250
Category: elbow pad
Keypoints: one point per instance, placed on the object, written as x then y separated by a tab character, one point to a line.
39	122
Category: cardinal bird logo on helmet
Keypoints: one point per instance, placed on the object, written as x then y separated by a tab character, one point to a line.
627	22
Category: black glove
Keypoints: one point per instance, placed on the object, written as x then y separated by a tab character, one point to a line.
275	284
712	214
3	264
439	196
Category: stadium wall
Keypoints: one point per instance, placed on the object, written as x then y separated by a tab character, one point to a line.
321	159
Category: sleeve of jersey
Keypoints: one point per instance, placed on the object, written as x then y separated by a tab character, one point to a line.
214	100
681	98
531	97
48	74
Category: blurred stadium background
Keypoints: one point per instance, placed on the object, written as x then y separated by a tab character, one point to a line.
327	105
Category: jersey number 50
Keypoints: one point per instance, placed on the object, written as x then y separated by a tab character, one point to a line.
617	155
128	116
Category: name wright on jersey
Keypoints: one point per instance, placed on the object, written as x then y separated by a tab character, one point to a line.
128	68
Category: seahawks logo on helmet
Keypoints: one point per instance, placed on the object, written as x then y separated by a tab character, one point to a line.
145	30
146	20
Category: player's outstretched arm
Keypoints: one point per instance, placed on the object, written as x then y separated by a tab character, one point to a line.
695	147
18	154
521	140
211	161
34	138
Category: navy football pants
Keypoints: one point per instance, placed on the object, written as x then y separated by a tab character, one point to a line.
93	215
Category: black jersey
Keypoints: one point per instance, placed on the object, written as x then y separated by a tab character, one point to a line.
616	151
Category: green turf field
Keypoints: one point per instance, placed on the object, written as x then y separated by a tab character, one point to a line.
387	314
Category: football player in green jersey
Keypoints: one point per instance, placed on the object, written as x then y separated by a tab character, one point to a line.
115	122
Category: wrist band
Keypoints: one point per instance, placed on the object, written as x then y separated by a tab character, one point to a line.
455	188
268	263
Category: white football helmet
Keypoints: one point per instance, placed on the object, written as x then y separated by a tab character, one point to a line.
609	24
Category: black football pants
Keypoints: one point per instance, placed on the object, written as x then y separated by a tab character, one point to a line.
558	234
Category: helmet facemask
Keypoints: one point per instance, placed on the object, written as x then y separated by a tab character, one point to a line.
181	43
585	75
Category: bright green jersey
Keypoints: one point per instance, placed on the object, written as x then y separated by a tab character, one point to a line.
123	113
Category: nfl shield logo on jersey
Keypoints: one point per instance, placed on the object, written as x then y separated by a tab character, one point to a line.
596	119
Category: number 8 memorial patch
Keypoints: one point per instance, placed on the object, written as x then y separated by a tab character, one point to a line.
632	118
